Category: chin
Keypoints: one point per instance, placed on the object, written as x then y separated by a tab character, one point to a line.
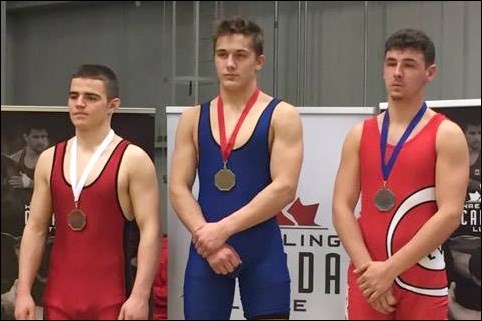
396	96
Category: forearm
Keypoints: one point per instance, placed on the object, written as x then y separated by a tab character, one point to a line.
187	208
147	262
432	234
31	252
268	203
351	237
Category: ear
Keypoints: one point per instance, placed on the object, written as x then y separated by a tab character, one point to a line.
113	105
431	71
260	60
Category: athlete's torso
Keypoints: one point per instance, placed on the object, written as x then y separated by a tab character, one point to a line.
91	268
251	165
412	181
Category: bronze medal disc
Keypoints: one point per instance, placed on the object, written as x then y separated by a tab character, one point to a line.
384	199
77	220
225	179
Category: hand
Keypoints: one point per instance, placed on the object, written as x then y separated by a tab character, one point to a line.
24	306
385	304
374	279
224	260
209	237
20	181
134	309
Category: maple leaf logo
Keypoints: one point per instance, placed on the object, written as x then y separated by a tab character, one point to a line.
298	214
474	197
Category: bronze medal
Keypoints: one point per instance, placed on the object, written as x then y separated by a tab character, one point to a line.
77	220
384	199
225	179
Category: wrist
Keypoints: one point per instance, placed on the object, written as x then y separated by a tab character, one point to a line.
392	268
140	294
227	226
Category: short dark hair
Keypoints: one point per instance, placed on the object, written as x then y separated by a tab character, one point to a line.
239	25
102	73
32	124
415	39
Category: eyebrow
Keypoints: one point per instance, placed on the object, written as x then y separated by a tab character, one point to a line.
88	93
404	59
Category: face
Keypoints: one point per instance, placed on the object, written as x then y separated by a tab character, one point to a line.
405	74
37	139
236	61
89	106
472	133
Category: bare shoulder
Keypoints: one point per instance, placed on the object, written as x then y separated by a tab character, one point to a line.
44	163
286	116
448	128
136	155
355	134
16	156
450	137
286	110
46	158
191	115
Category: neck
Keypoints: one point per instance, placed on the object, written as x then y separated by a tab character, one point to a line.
403	111
91	138
237	98
30	153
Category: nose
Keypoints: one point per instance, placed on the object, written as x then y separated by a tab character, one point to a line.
230	62
79	102
398	71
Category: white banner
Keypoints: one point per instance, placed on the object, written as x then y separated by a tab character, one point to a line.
316	258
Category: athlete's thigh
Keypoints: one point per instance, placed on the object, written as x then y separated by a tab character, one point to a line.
55	313
265	287
207	295
414	306
357	306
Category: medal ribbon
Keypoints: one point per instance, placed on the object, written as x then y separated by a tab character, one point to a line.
226	148
387	168
77	187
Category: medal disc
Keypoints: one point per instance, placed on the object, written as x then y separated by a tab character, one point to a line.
77	220
384	199
225	179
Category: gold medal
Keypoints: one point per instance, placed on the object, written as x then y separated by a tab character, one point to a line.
225	179
384	199
77	220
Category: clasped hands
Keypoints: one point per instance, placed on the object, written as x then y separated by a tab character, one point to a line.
210	242
375	282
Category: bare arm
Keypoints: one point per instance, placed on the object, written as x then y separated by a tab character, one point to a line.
452	174
182	176
286	159
34	236
345	198
183	172
144	197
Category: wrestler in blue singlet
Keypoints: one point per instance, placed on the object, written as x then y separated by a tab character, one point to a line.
263	276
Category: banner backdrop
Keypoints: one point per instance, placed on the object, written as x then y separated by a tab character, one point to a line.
37	128
316	258
462	250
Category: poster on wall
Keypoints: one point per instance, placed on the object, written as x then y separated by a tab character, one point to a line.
27	131
317	261
462	249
